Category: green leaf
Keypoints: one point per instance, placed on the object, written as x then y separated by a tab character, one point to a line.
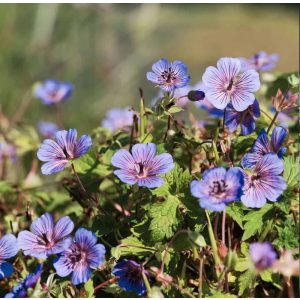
246	281
266	275
132	246
175	109
254	221
165	218
235	211
5	187
291	171
89	288
242	264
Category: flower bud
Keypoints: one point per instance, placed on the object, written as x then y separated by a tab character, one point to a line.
196	95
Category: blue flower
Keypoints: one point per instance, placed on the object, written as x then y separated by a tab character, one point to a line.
8	249
262	146
130	276
246	119
227	83
30	281
264	182
80	257
260	62
218	187
142	166
262	255
53	91
47	129
46	237
118	118
169	76
57	155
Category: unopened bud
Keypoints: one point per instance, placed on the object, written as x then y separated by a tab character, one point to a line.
196	95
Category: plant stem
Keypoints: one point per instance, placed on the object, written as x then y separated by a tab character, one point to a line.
224	116
147	284
223	226
200	277
107	282
213	241
77	177
142	113
214	145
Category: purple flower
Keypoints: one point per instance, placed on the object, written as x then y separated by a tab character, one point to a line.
53	91
262	255
47	129
218	187
8	249
118	118
226	84
130	276
57	155
246	119
263	182
80	257
142	166
260	62
262	146
30	281
7	151
46	237
169	76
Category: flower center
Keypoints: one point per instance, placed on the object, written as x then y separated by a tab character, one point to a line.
141	170
230	86
45	241
168	75
218	188
77	256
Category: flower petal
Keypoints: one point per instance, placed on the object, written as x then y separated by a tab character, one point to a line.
151	181
43	225
278	136
162	163
62	267
8	246
123	159
229	67
248	81
85	238
83	145
143	152
96	255
81	273
269	164
63	227
241	99
50	150
6	269
55	166
126	176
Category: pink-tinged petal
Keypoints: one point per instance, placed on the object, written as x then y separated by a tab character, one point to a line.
253	198
123	159
27	241
143	152
229	67
241	100
60	246
61	138
43	225
278	136
248	81
81	273
85	238
62	268
272	187
151	181
218	99
71	141
213	79
126	176
63	227
269	164
49	151
8	246
162	163
250	160
52	167
83	145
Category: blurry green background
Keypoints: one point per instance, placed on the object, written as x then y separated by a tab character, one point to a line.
105	50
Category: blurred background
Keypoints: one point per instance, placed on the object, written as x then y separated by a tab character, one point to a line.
105	50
